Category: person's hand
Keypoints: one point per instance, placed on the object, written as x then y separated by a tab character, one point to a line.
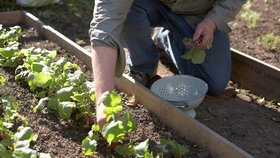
204	34
101	118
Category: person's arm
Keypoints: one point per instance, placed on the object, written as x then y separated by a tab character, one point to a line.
103	67
223	12
107	52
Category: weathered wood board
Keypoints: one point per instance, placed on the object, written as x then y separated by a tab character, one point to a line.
258	77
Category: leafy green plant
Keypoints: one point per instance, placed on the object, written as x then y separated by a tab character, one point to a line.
118	126
10	109
197	56
173	147
116	131
15	143
270	41
252	17
89	144
10	56
10	35
59	83
2	79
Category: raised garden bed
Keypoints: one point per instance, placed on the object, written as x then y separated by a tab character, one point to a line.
32	38
189	128
240	119
63	138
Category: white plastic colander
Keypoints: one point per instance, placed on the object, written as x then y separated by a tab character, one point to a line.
184	91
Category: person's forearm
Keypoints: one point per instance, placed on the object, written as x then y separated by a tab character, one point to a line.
103	67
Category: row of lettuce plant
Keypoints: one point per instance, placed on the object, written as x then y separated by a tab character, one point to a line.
116	130
15	134
61	86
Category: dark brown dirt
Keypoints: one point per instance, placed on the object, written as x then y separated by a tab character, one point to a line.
63	138
245	39
252	127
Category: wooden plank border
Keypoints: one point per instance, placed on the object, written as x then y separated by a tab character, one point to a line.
190	128
11	18
255	75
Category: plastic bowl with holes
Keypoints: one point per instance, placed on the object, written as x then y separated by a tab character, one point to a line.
183	91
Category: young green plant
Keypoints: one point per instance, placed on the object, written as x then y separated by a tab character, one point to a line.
250	16
116	130
270	41
15	135
197	56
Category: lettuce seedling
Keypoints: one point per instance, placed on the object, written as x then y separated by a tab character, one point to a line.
197	56
2	80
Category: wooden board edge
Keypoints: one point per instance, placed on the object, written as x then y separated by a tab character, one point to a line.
32	21
254	59
11	18
261	78
217	145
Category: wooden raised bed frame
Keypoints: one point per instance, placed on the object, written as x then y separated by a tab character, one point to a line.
249	72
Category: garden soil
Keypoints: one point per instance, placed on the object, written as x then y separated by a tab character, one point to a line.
63	138
243	119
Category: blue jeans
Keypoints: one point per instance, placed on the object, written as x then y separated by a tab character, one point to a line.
144	14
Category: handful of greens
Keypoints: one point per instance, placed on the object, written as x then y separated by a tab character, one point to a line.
197	56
